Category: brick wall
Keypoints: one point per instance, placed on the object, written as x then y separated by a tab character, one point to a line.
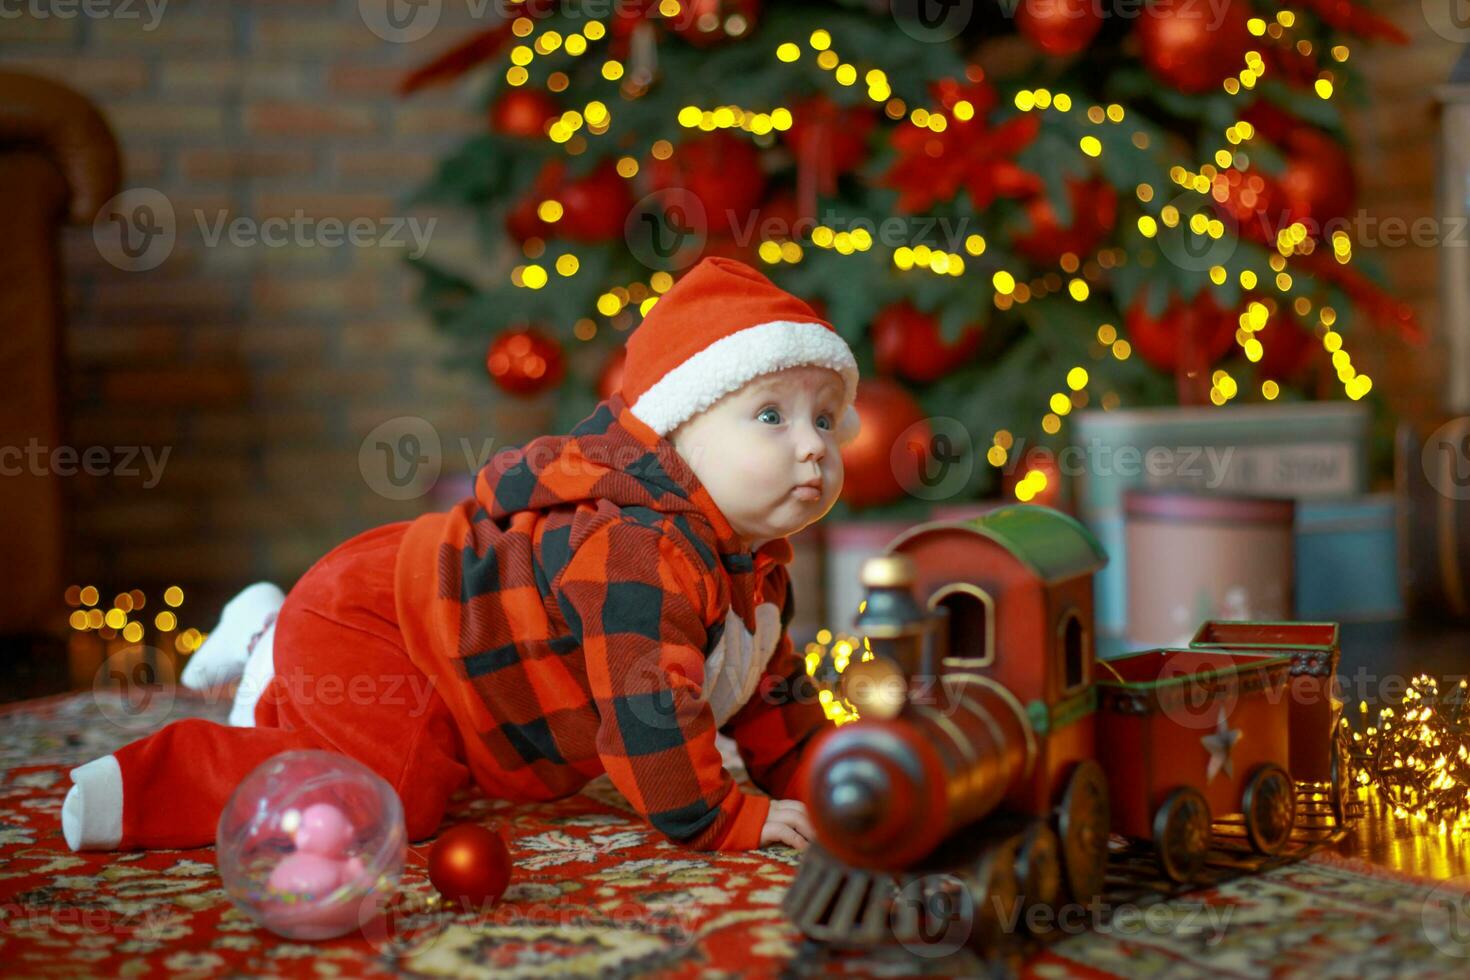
1396	134
261	369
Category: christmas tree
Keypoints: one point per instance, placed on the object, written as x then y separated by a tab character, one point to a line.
1011	212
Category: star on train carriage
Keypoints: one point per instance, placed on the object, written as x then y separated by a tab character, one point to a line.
991	741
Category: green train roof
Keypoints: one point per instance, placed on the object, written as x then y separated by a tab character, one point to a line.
1054	545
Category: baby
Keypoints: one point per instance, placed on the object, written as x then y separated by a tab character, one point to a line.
607	601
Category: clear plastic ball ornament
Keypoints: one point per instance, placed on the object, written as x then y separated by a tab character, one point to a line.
311	844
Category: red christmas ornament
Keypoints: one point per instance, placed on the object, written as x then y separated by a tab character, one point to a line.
1059	27
907	343
1184	46
1094	212
1287	348
525	362
886	411
1187	339
706	22
470	864
523	112
611	378
594	208
1317	185
722	172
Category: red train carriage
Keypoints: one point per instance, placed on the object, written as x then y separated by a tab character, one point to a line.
1186	734
1320	750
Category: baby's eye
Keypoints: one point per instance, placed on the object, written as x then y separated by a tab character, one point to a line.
770	416
824	421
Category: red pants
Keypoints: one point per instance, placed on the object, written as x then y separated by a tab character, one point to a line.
343	682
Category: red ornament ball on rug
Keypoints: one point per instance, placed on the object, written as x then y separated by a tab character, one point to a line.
525	362
470	863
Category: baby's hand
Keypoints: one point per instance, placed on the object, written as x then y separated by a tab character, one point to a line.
787	823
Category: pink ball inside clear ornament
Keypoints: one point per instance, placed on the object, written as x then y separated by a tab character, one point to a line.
311	844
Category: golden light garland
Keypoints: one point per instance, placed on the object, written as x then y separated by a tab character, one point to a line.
826	658
1418	757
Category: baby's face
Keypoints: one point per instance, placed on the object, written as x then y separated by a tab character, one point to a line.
768	452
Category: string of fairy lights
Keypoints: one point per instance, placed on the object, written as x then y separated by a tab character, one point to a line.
1225	175
125	618
1417	757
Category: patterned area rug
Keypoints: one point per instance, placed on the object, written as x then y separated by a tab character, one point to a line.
595	893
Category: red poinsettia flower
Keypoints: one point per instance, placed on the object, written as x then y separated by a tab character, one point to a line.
970	154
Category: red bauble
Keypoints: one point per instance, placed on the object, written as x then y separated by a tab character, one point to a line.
722	172
470	864
525	362
1059	27
705	22
1286	347
886	411
594	208
1185	47
1187	339
610	380
1094	212
523	112
1317	184
907	343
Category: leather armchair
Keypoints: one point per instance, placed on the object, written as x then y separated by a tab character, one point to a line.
58	163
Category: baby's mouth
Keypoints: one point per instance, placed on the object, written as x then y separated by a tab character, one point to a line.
807	491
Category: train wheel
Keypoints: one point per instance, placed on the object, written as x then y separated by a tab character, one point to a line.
1344	778
1039	867
1269	805
1083	820
1182	834
997	899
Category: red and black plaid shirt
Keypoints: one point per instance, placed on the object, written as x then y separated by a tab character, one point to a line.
565	613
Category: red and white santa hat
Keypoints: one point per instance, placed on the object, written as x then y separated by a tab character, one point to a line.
723	324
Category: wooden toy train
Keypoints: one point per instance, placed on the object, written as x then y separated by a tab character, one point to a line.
992	741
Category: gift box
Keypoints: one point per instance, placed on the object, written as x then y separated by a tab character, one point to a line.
1298	451
1347	562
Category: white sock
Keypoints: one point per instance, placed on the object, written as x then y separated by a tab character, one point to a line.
91	814
222	656
259	670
